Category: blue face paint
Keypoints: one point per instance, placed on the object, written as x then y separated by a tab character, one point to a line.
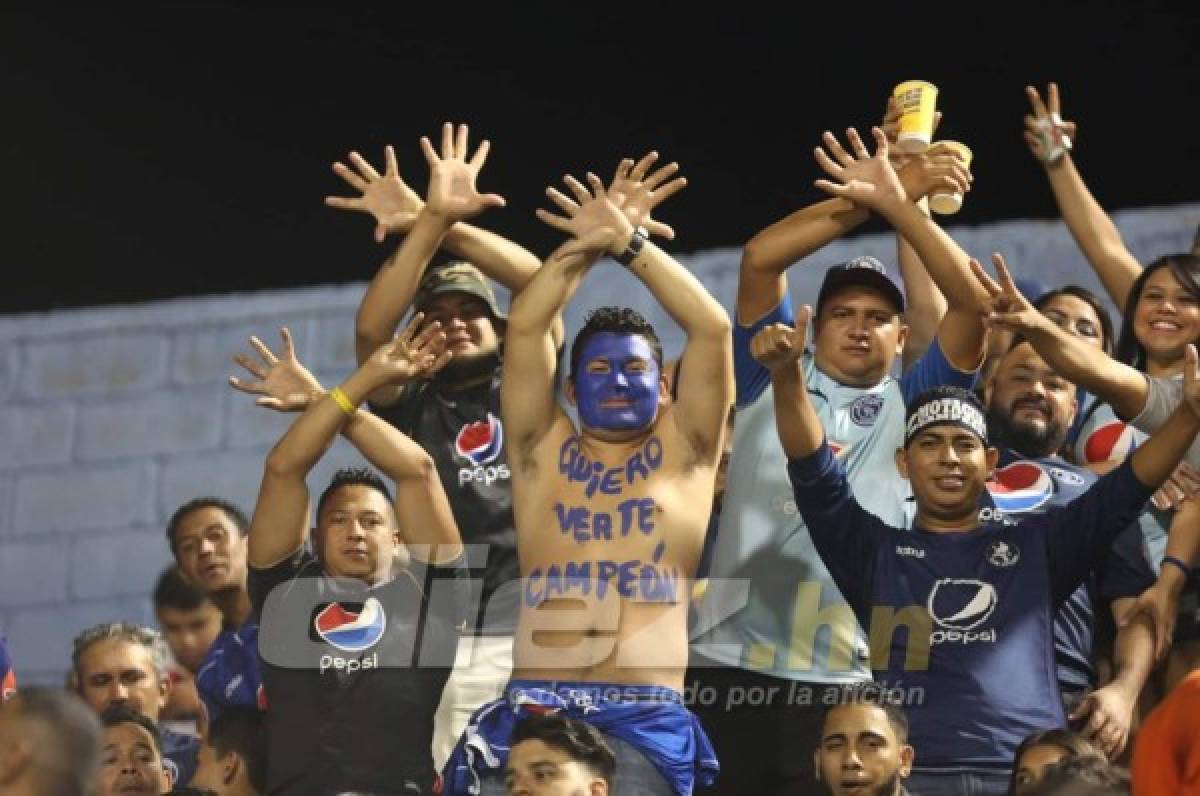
616	384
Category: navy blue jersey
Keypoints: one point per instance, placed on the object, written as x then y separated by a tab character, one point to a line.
179	756
963	622
1023	486
230	675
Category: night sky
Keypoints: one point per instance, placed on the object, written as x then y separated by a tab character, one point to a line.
186	150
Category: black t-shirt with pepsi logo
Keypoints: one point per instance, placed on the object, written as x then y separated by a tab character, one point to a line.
963	623
353	675
462	431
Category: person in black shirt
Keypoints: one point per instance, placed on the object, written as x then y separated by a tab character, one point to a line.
455	415
354	654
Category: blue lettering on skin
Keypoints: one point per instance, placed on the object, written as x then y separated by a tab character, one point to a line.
602	525
612	480
631	580
533	597
646	515
654	453
605	571
578	575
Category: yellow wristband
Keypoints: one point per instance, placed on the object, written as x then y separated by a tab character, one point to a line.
343	402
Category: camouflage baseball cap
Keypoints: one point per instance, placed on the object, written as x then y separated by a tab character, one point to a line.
457	276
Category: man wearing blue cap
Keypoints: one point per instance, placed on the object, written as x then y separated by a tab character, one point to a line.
773	623
976	599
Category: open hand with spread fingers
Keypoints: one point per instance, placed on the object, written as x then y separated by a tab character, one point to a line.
858	176
1046	134
386	197
281	382
415	353
638	191
779	345
594	218
452	193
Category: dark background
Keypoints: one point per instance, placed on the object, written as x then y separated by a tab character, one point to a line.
158	152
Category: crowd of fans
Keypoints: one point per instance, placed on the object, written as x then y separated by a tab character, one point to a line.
937	540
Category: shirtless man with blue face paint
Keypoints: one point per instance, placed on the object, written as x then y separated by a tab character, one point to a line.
610	516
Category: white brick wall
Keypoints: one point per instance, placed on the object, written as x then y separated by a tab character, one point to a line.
112	417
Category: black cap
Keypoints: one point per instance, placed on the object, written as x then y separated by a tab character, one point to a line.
864	271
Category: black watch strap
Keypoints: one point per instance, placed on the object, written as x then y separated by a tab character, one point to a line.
634	248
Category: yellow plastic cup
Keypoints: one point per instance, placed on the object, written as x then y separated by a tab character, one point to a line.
945	202
917	101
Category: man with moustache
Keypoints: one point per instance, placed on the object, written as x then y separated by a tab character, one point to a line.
1029	410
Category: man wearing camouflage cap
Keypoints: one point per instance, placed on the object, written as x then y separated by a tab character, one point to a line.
455	415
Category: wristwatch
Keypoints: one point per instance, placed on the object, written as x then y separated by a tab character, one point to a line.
634	248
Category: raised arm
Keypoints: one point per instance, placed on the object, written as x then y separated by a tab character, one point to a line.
1125	388
924	304
280	519
706	365
870	181
779	349
452	197
769	254
1049	139
527	386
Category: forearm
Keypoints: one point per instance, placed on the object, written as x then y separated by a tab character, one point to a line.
1133	653
422	508
1155	460
547	294
1094	232
1085	366
924	303
1183	543
779	246
796	421
681	294
391	292
947	264
497	257
388	449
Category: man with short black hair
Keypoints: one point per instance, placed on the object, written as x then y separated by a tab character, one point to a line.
49	744
131	759
120	665
772	620
864	749
354	653
207	536
1029	410
556	756
454	414
611	512
190	622
233	756
976	598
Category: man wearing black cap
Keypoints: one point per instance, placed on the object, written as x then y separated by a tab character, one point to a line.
772	620
976	598
455	415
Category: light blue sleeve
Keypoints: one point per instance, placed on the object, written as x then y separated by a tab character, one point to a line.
752	378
